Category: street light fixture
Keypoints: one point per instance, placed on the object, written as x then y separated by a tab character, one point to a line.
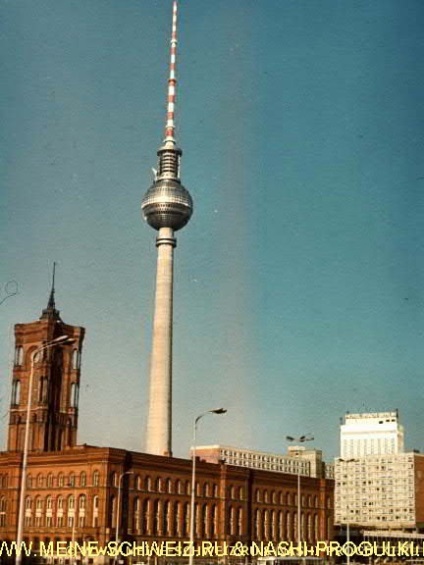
193	477
301	439
62	340
118	511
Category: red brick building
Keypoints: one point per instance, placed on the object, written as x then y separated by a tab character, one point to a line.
72	491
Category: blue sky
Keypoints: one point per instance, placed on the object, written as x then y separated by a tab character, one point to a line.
298	283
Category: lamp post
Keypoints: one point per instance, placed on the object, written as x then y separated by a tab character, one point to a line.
300	439
193	477
118	511
62	340
347	512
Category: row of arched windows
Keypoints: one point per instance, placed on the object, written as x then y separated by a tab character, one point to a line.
41	392
56	512
274	525
19	357
167	518
62	480
285	498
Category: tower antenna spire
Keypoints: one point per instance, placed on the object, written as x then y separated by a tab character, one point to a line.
172	80
51	303
50	312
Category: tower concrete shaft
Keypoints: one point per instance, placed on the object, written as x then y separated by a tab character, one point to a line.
159	425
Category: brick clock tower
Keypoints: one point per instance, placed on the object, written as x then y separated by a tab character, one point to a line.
55	383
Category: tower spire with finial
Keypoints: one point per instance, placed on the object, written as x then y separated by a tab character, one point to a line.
172	80
50	311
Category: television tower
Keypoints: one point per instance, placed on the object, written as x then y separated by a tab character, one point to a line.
167	207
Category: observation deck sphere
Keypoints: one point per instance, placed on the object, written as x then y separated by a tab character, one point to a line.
167	204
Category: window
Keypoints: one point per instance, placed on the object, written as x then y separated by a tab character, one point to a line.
16	391
2	512
73	395
83	479
19	355
96	479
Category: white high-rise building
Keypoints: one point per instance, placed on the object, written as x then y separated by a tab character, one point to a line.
378	486
375	433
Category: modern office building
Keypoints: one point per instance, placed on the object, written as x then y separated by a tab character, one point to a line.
378	486
299	460
381	491
375	433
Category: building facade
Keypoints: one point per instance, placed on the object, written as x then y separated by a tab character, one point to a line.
298	461
375	433
381	491
73	496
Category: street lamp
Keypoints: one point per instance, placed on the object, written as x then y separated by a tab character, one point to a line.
193	478
62	340
347	512
300	439
118	511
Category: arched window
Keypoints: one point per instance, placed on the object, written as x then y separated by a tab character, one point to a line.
16	391
240	522
28	511
266	525
50	480
214	521
205	522
167	523
136	516
289	532
49	512
148	484
137	482
96	479
187	518
177	519
112	511
241	493
19	355
206	490
29	481
42	390
147	517
215	491
157	518
158	484
114	479
258	495
73	395
178	487
40	480
3	512
71	480
82	503
59	514
60	480
83	479
169	486
95	521
75	359
258	524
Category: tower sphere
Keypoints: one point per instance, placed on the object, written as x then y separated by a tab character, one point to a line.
167	204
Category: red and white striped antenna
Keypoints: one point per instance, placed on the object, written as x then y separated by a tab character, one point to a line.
172	81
